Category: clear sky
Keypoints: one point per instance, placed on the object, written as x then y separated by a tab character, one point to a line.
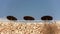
35	8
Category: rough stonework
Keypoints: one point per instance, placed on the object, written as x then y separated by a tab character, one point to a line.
29	28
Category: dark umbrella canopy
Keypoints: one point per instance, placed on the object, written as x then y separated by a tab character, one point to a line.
28	18
11	18
46	18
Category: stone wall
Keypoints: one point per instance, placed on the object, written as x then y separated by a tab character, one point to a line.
10	27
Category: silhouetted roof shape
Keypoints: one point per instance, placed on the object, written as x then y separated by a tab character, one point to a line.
46	18
11	18
28	18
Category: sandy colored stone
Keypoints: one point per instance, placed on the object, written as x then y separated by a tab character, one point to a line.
29	28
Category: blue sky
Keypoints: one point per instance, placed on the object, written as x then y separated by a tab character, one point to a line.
35	8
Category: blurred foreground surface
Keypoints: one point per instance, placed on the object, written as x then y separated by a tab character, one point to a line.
29	27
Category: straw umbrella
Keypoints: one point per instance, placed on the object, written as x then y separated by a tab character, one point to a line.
11	18
47	18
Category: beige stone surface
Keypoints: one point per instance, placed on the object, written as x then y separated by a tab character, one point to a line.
29	28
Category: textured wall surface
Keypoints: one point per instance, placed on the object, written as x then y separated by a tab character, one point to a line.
10	27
